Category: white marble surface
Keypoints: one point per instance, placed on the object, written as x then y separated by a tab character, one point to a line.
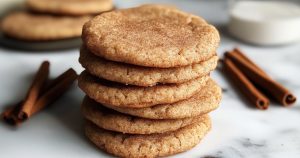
239	130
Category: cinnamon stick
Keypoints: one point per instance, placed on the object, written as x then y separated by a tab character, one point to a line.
51	93
33	93
10	114
260	78
248	89
239	53
58	87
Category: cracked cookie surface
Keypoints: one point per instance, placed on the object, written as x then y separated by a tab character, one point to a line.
115	121
151	36
143	76
152	145
120	95
205	101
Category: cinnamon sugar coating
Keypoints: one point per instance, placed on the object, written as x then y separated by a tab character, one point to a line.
148	146
151	36
120	95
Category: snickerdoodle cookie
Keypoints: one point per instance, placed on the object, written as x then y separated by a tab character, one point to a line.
143	76
152	145
111	93
205	101
35	27
151	36
115	121
70	7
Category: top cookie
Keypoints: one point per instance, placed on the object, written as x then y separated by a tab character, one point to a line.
70	7
152	36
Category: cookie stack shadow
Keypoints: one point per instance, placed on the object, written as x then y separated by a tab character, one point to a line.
155	105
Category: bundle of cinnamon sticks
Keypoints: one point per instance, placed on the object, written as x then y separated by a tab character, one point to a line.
253	82
41	93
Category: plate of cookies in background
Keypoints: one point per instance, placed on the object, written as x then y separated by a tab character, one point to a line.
49	24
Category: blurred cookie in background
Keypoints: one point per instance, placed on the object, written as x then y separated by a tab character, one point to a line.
7	6
49	24
38	27
70	7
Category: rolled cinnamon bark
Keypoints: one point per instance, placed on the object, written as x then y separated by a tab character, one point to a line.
51	93
58	87
248	89
260	78
238	52
9	115
35	90
58	79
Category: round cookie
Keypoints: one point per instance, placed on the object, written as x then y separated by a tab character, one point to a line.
205	101
33	27
120	95
115	121
143	76
151	36
152	145
70	7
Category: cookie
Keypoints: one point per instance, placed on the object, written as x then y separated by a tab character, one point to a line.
205	101
151	36
143	76
33	27
148	146
169	6
120	95
115	121
70	7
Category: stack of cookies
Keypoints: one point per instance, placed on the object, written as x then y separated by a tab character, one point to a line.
147	83
47	20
